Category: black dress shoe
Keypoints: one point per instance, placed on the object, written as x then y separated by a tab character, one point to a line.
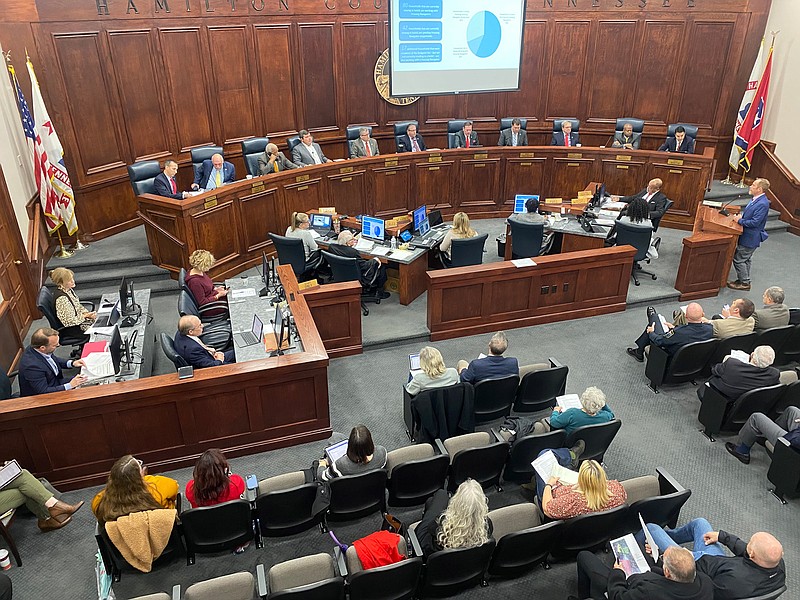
731	448
636	353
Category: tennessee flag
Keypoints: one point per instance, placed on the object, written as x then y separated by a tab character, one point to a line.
749	134
744	106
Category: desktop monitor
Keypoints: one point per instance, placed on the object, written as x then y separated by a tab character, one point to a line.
321	221
520	200
420	215
126	301
424	227
372	228
115	347
264	268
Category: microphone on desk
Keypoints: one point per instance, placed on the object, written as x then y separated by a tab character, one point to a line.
724	209
609	141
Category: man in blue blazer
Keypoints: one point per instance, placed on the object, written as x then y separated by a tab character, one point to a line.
40	371
752	219
165	185
680	143
490	367
411	141
191	348
214	173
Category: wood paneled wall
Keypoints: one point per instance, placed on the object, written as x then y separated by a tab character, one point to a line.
150	79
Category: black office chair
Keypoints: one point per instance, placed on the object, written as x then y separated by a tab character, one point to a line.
657	220
352	133
744	342
717	412
526	239
452	570
691	133
506	122
216	334
474	456
285	505
494	397
346	269
142	175
201	154
524	451
168	346
354	496
637	124
453	127
68	336
400	130
538	389
597	439
209	529
251	150
415	473
639	238
689	363
447	411
465	252
523	541
576	124
210	307
291	143
291	252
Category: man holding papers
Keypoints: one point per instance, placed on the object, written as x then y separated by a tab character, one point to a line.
733	377
41	371
670	337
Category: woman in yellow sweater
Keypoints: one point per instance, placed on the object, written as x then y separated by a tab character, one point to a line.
130	489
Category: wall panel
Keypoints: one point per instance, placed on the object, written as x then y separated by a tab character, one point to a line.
569	41
276	84
319	85
655	79
359	43
611	76
527	102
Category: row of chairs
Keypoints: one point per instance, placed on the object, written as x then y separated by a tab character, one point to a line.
694	361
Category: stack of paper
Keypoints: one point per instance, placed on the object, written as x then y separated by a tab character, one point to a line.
547	466
568	401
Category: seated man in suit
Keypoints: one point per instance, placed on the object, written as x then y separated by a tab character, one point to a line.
308	152
273	161
515	136
214	173
466	138
735	320
733	377
364	145
489	367
411	141
373	272
165	185
565	137
760	427
40	371
191	348
652	194
775	313
680	143
626	138
676	336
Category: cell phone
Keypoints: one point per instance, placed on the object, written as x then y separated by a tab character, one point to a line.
251	481
185	372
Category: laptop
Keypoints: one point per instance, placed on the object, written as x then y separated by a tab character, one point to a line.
322	224
435	218
336	451
9	472
252	337
109	319
427	237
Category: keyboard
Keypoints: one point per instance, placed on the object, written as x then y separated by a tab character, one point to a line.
245	339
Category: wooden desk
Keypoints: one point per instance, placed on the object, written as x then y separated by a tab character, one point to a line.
72	438
478	299
573	239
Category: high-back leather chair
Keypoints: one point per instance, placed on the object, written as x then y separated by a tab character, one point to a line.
526	239
203	153
352	134
639	238
467	251
506	122
251	150
453	127
142	175
291	143
691	133
346	269
657	220
637	124
46	304
168	347
291	252
576	124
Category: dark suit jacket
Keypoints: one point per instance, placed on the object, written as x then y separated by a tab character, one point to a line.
461	140
162	187
196	355
405	143
657	204
228	173
648	586
558	139
686	147
37	377
490	367
634	140
733	377
301	156
682	335
283	163
506	138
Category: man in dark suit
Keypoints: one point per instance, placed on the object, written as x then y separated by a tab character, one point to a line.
165	185
466	138
655	198
273	161
733	377
675	337
40	371
565	137
373	273
752	219
681	143
308	152
191	348
411	141
514	136
492	366
214	173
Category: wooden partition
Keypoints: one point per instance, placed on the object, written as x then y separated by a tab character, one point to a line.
72	438
478	299
336	308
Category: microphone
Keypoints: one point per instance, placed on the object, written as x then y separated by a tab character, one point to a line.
724	209
609	141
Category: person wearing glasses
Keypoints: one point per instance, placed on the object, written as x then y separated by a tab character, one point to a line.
192	349
130	489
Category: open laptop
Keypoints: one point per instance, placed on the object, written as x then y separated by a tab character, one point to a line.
322	224
435	218
336	451
427	238
108	319
252	337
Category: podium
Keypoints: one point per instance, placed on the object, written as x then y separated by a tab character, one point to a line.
707	253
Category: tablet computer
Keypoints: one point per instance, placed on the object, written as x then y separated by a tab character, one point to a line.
336	451
9	472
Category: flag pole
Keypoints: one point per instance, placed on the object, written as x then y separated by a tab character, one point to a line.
728	180
62	252
78	245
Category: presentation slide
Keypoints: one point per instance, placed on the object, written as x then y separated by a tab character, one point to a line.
455	46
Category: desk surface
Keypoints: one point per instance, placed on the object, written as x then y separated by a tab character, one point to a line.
572	227
143	359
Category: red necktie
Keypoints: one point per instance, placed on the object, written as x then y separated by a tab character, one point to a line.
467	141
174	187
566	139
366	146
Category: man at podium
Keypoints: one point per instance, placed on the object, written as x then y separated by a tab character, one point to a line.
752	219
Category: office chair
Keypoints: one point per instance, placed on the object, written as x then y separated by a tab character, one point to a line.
691	133
657	220
142	175
453	127
352	134
291	252
465	252
346	269
67	335
251	150
202	153
168	346
639	238
291	143
638	124
505	123
526	239
576	124
400	130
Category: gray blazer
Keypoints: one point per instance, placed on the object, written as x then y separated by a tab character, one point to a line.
264	168
621	140
506	138
301	155
772	315
357	148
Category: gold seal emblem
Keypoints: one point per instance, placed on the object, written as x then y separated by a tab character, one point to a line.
381	76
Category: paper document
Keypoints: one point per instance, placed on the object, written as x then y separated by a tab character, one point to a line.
481	355
401	254
97	364
568	401
607	213
663	322
629	555
649	539
605	222
740	355
547	466
380	250
614	205
523	262
245	293
364	245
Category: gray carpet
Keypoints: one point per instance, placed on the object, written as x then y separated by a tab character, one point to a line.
658	431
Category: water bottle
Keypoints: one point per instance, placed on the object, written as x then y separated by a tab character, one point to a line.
394	242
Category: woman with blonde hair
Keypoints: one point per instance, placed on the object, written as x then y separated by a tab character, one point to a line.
200	284
594	492
461	230
301	229
463	522
69	310
432	373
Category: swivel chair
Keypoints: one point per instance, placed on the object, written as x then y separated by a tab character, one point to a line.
201	154
251	150
142	175
639	238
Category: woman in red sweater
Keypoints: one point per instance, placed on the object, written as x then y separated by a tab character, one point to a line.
213	482
200	284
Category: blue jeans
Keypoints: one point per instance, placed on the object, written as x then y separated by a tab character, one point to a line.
563	458
691	532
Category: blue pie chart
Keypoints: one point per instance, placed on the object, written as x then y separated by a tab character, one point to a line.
483	34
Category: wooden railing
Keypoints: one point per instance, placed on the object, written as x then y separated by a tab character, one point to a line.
784	191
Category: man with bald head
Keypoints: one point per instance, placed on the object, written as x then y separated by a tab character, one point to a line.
214	173
192	349
655	198
695	330
273	161
756	567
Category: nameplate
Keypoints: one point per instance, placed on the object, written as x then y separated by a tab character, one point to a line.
623	157
300	178
479	165
257	187
622	166
480	156
526	164
389	173
308	284
327	210
390	223
526	155
676	171
435	158
574	155
302	187
210	202
677	162
346	179
346	170
585	194
390	162
573	164
579	201
552	200
433	168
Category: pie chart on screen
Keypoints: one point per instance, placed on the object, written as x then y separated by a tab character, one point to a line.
483	34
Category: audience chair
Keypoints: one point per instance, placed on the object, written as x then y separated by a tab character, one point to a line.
203	153
46	304
637	124
5	386
168	346
590	532
719	413
744	342
308	578
285	505
790	350
774	337
251	150
216	334
524	451
639	238
142	175
597	438
291	252
400	130
209	529
5	522
494	397
352	134
523	541
784	470
506	122
292	142
576	124
539	387
415	473
657	220
789	397
346	269
658	498
794	316
355	496
236	586
206	308
474	456
453	127
466	252
115	564
439	413
689	363
526	239
160	596
691	133
397	581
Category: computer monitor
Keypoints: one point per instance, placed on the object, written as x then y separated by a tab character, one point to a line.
321	221
372	228
420	215
126	299
424	227
520	200
115	347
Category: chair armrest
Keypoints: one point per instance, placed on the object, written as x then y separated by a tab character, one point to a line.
667	484
176	592
415	547
656	368
179	503
554	363
341	563
88	305
497	436
713	409
784	471
261	581
216	304
439	445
